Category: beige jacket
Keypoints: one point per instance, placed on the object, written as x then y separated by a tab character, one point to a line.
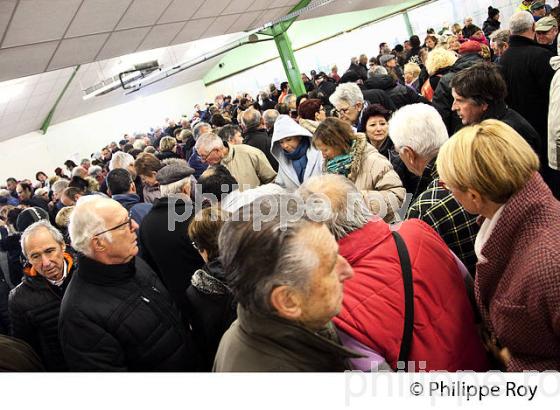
249	166
375	177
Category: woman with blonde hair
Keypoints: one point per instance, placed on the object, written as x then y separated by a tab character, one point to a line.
493	172
167	148
438	63
349	154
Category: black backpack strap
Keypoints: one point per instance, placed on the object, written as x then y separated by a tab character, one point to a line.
406	268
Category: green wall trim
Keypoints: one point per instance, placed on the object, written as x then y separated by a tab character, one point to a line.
302	34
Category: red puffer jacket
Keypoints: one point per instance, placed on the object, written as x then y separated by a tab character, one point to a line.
445	336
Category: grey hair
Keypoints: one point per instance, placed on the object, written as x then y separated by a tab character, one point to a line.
174	187
4	193
290	98
121	160
208	141
285	259
500	37
349	93
346	211
139	144
251	118
79	171
377	70
95	170
61	185
42	224
198	129
264	94
85	223
420	127
521	22
270	117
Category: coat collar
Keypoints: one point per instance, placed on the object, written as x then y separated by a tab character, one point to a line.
322	348
106	275
518	213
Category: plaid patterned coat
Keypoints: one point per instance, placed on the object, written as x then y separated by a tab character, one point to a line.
518	287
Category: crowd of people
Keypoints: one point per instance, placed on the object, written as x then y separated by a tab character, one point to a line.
400	216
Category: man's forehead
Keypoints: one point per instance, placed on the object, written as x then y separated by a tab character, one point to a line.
40	239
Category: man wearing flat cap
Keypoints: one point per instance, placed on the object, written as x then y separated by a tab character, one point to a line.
546	33
163	239
538	10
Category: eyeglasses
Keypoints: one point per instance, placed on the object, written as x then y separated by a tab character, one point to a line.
194	245
205	157
343	110
127	222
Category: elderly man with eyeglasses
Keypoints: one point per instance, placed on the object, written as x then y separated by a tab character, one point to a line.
34	304
116	314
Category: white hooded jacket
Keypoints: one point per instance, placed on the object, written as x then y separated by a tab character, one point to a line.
287	177
554	116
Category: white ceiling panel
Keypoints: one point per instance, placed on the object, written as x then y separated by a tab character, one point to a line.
193	30
40	20
25	60
73	51
211	8
161	35
122	42
238	6
221	25
180	10
143	13
97	16
6	10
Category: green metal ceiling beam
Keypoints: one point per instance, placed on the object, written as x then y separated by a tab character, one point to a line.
284	45
50	115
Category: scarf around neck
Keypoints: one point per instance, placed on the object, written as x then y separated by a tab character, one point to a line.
299	158
341	164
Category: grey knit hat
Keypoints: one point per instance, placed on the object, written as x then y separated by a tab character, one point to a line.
173	170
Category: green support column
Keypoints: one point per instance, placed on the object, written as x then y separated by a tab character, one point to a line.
408	24
286	53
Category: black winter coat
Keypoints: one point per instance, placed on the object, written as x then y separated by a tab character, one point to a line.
379	97
401	95
528	74
4	315
34	309
260	139
512	118
489	26
212	309
443	99
170	252
121	318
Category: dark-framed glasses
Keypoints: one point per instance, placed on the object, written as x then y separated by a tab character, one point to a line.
127	222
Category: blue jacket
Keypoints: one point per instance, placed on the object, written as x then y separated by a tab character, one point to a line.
196	163
131	202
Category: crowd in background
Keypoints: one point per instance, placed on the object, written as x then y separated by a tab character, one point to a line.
449	145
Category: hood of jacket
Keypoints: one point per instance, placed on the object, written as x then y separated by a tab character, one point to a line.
380	82
286	127
465	61
126	199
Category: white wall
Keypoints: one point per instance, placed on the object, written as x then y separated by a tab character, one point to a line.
23	156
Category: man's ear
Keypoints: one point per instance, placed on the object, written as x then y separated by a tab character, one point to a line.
286	302
97	245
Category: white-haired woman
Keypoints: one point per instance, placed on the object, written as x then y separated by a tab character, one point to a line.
493	172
